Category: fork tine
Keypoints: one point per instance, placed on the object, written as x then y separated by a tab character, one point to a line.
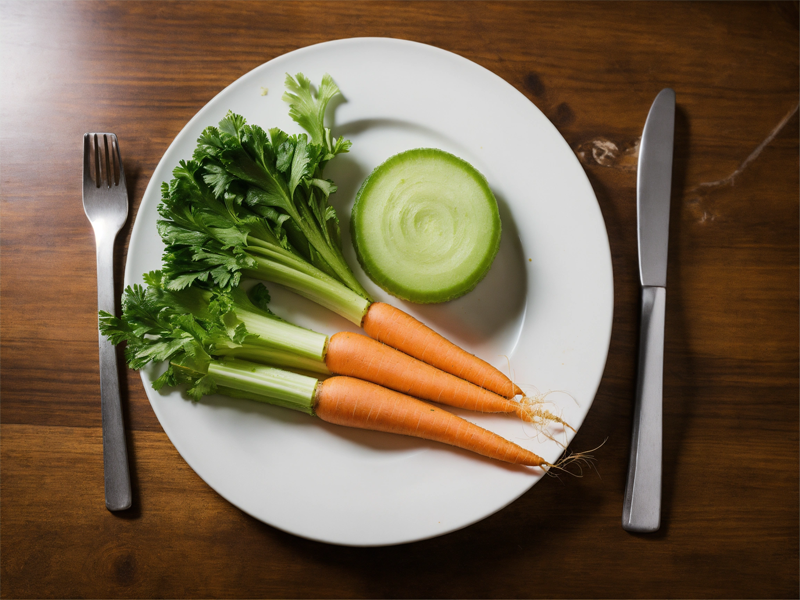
113	169
87	163
108	174
97	175
115	150
98	160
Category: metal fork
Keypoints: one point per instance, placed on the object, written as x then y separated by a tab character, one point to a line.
105	201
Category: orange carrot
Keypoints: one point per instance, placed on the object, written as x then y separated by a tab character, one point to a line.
397	329
359	356
355	403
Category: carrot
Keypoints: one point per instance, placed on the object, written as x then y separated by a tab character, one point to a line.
355	403
259	336
400	330
356	355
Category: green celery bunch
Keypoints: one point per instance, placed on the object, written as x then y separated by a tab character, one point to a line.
208	335
255	203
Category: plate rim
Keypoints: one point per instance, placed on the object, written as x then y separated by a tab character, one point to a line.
153	185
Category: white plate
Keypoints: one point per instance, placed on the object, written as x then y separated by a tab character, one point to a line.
544	311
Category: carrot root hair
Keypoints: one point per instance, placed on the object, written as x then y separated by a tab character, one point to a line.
574	463
532	410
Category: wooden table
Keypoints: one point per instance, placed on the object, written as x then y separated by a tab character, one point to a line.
142	70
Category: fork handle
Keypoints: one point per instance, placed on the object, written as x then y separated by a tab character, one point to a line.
115	451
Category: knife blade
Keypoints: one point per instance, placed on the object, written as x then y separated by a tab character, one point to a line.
641	510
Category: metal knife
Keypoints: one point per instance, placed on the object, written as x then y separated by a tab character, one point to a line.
641	510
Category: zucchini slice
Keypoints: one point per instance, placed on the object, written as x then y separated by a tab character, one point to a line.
425	226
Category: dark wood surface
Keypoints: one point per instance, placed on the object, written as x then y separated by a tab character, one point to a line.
142	70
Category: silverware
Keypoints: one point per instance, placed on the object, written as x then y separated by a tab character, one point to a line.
105	201
641	510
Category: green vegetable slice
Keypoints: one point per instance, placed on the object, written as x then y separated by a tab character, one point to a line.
425	226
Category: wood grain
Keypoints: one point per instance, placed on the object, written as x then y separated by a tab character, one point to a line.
143	69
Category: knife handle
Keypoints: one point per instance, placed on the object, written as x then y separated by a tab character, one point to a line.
641	510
